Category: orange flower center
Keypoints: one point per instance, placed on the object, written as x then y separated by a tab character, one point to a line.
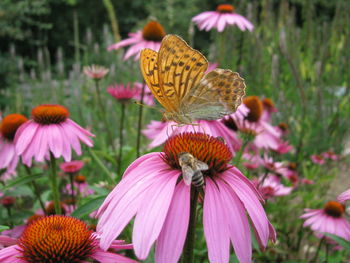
268	104
255	107
153	31
283	126
50	114
33	218
10	124
50	208
203	147
225	8
57	239
80	179
292	166
334	209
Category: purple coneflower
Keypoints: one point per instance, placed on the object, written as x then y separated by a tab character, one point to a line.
221	18
153	191
95	71
318	159
50	131
150	37
8	157
58	239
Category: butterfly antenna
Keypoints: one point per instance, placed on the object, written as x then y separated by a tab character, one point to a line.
147	106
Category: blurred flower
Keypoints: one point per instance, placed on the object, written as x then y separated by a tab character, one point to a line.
330	155
150	37
125	93
271	186
211	67
159	132
8	201
58	239
269	108
95	71
81	186
221	18
152	190
317	159
330	219
344	196
8	157
50	131
72	167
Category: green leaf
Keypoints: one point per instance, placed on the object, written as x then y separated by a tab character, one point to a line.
23	180
2	228
88	207
341	241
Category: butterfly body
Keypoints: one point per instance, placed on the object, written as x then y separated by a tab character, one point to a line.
176	77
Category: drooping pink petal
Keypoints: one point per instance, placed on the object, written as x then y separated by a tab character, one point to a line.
107	257
54	141
344	196
238	223
172	237
24	135
10	255
7	241
151	215
215	224
66	148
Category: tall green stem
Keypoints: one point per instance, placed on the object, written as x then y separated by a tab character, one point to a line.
189	245
139	124
71	179
54	185
240	152
35	189
121	128
103	113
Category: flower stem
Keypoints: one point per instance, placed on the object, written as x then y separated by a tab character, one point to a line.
35	189
71	179
189	245
139	124
103	112
318	250
54	185
240	153
121	128
9	214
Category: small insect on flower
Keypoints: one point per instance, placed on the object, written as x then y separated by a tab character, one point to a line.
192	169
176	76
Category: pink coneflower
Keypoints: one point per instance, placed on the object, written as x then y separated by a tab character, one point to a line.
271	186
72	167
344	196
269	108
150	37
330	155
317	159
8	157
159	132
50	131
95	71
125	93
81	187
330	219
221	18
58	239
152	189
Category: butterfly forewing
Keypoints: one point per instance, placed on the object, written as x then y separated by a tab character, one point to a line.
219	93
180	68
150	72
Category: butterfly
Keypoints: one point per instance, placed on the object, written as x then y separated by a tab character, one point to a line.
176	76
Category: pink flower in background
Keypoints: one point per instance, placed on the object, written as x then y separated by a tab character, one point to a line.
150	190
8	157
344	196
317	159
269	109
221	18
330	155
271	186
125	93
81	187
50	131
72	239
211	67
95	71
72	167
330	219
150	37
159	132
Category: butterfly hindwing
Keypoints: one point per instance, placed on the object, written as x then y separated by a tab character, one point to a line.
180	68
219	93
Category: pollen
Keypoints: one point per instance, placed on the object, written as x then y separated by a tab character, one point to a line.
225	8
49	114
203	147
153	31
10	124
57	239
255	107
334	209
